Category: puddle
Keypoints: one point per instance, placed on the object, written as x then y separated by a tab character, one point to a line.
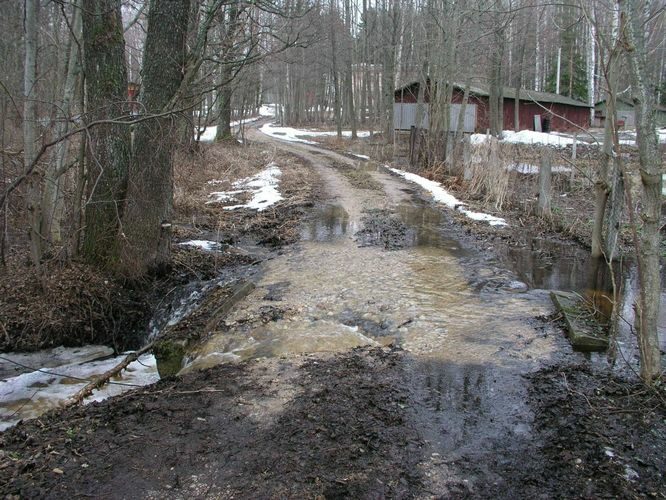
326	224
558	266
427	224
432	296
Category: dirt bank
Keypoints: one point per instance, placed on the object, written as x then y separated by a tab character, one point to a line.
71	303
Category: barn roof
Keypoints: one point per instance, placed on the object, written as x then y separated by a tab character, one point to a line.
629	102
510	93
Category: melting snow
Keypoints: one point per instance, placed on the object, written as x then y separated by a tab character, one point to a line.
263	187
526	137
203	244
362	157
208	133
295	134
31	394
441	195
527	168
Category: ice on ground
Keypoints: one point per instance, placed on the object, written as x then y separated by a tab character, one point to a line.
526	137
10	364
31	394
527	168
441	195
263	186
291	134
203	244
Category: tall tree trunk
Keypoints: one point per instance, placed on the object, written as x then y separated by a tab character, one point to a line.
647	306
53	198
496	97
390	31
609	188
147	224
30	129
349	83
226	74
107	154
334	72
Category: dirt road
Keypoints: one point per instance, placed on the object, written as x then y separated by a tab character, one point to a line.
438	402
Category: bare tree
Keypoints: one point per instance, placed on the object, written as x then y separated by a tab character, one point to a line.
147	220
30	128
108	150
647	306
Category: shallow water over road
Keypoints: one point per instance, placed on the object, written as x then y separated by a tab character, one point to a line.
434	297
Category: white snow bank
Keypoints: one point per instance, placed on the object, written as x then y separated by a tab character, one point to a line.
296	134
263	187
526	137
31	394
362	157
284	133
441	195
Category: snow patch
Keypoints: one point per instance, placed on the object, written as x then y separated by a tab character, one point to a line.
362	157
263	187
526	137
441	195
291	134
31	394
267	110
203	244
527	168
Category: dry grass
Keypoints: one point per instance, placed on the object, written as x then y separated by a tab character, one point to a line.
226	164
488	173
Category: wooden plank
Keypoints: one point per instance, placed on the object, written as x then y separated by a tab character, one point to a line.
585	333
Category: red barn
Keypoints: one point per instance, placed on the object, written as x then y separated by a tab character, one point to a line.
540	111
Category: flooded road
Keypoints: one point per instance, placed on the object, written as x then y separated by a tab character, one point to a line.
467	324
298	406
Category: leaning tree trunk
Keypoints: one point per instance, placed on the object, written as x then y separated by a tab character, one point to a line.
107	154
147	222
647	306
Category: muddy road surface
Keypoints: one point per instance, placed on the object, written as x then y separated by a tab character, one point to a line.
385	355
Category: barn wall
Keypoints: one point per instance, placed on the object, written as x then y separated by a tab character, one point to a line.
560	115
563	117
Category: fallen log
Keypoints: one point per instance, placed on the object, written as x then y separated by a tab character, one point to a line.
104	378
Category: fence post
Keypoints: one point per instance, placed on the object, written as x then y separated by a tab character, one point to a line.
545	173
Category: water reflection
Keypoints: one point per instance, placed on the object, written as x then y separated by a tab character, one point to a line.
425	225
560	266
327	223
